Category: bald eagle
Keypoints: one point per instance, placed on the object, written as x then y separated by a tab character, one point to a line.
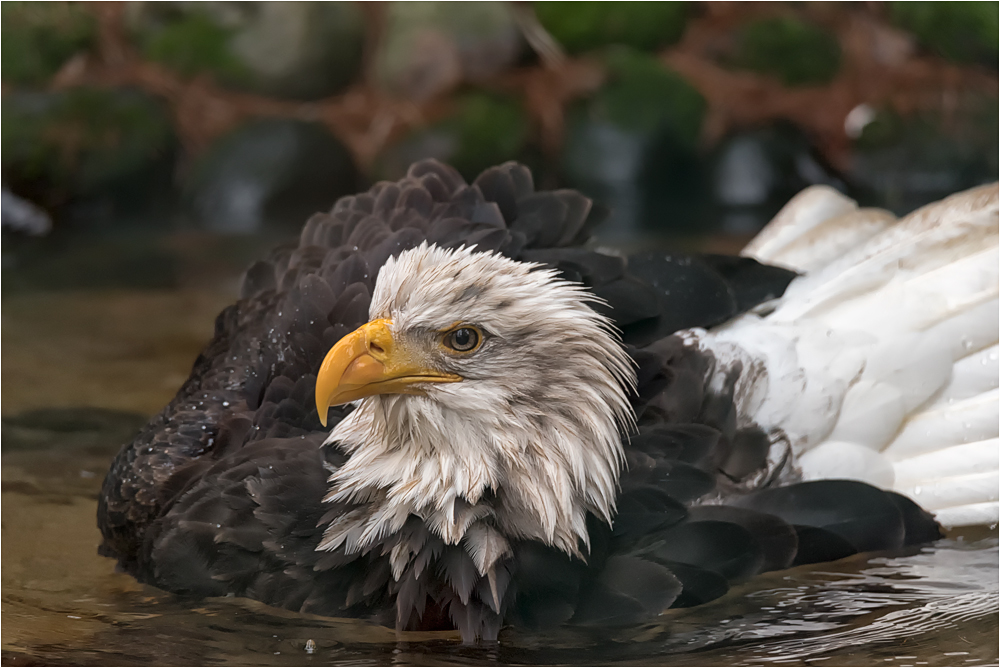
441	409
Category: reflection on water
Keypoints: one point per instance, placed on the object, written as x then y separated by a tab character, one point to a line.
126	351
64	604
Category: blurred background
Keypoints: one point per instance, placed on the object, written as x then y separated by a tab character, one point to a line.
151	151
687	119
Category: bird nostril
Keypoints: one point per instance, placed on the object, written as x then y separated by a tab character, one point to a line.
375	348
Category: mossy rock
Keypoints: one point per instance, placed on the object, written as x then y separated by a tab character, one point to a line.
38	37
965	32
77	142
583	26
634	146
301	50
483	130
796	52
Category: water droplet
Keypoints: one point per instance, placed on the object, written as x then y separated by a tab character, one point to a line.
310	646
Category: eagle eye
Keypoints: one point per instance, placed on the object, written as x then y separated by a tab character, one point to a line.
462	339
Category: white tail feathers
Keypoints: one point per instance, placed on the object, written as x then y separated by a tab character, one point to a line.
880	363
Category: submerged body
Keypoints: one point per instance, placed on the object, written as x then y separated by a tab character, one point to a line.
507	459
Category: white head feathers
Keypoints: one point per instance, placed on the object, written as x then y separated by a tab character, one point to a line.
524	446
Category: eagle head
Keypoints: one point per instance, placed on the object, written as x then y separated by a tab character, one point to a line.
490	404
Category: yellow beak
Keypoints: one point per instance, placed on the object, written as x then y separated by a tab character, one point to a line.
367	362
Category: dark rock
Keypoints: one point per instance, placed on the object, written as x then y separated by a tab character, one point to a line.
430	47
582	26
269	172
38	37
903	163
100	152
755	172
303	50
965	32
797	52
633	146
484	130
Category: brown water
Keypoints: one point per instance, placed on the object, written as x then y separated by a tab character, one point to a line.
82	370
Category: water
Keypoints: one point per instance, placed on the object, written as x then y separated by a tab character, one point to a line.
62	603
83	369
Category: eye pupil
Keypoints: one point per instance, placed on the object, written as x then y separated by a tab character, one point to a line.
464	339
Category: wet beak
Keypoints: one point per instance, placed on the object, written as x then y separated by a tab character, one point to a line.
366	362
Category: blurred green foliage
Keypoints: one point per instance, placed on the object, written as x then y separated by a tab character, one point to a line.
82	139
581	26
634	144
965	32
792	50
192	42
885	129
643	96
489	129
38	37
